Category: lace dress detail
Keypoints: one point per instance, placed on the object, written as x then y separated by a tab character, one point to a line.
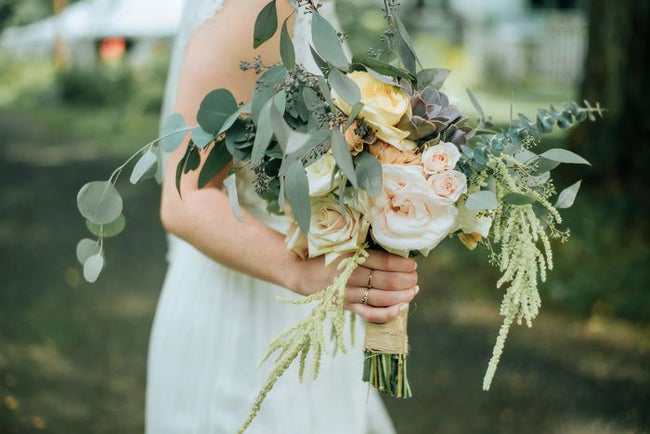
213	324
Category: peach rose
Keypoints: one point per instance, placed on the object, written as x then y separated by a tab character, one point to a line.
440	158
355	141
387	154
448	186
406	216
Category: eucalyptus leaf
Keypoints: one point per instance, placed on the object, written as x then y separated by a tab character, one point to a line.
193	160
109	229
344	86
481	200
266	88
320	62
369	173
381	67
327	43
354	113
342	155
87	248
216	107
405	47
145	166
296	188
325	89
173	132
263	134
99	202
564	156
476	104
229	122
201	138
519	199
287	51
92	267
434	77
217	160
180	168
266	24
567	196
544	166
280	127
230	184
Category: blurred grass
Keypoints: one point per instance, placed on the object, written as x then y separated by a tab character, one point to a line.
73	355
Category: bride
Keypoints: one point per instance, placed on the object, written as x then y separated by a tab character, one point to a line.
218	308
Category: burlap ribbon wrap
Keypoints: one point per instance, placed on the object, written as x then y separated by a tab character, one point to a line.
390	337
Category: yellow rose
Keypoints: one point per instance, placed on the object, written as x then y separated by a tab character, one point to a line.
387	154
384	106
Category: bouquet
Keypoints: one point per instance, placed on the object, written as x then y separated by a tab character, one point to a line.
367	152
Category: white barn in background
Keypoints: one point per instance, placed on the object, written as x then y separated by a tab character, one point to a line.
82	25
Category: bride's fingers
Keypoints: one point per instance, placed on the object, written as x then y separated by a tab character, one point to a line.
376	314
379	298
386	280
378	260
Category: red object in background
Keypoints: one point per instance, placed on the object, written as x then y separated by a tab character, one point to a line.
112	49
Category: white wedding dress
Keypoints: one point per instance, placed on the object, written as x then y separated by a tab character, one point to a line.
212	325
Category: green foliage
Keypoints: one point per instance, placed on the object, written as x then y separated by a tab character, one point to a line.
107	230
265	88
369	173
174	131
287	51
216	107
215	163
481	200
97	86
99	202
87	248
327	43
145	167
344	86
296	188
342	156
266	24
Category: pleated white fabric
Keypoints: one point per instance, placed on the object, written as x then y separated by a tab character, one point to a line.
212	325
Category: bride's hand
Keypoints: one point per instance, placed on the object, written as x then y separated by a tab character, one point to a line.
391	283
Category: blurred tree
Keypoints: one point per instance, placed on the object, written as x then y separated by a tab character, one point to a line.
616	74
21	12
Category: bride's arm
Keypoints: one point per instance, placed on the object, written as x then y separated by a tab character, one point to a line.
203	217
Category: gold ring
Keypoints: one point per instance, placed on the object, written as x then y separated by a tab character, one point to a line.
369	285
364	299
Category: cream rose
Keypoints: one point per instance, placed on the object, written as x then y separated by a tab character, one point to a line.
334	230
470	222
319	175
384	106
406	216
448	186
296	240
387	154
440	158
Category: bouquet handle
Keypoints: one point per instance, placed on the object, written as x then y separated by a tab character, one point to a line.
386	350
